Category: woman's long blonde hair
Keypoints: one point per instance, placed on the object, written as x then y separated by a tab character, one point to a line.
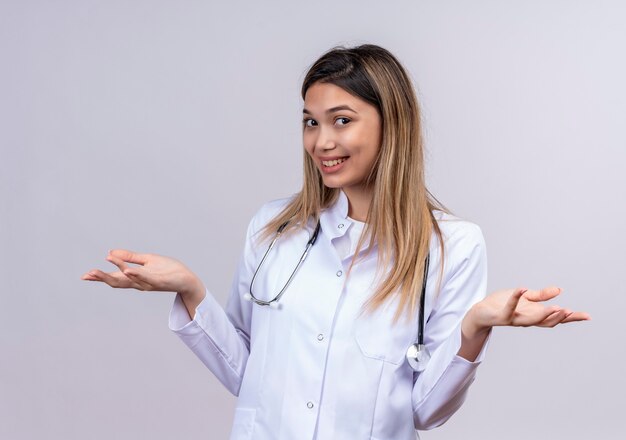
400	219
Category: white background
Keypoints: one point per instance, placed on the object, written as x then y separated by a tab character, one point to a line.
161	126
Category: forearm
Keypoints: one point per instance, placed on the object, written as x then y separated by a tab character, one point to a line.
193	296
447	396
473	336
442	387
213	338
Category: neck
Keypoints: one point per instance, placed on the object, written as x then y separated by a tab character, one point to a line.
359	202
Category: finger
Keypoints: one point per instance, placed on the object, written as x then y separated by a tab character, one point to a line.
513	301
94	275
117	261
544	294
142	284
113	279
575	317
537	317
89	276
141	276
130	257
554	319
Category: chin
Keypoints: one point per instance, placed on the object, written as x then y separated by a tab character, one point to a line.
332	184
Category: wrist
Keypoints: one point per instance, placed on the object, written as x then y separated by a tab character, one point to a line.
474	334
194	290
192	295
472	327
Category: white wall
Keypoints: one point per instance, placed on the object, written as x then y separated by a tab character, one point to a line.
161	126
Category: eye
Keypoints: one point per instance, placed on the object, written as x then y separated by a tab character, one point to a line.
342	121
308	122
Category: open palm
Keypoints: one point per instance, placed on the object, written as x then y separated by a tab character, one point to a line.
145	272
524	308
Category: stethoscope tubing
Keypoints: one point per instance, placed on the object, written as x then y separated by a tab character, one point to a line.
309	244
420	324
417	353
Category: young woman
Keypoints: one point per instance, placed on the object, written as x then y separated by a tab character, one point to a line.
327	298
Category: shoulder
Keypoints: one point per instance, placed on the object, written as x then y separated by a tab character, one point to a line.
267	212
462	239
455	229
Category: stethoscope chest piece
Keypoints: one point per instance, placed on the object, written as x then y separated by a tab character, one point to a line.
417	356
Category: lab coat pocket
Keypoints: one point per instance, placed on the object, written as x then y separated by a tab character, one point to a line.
243	424
380	338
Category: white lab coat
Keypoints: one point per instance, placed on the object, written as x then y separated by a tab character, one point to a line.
319	369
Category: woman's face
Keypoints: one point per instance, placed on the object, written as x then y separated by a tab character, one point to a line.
342	134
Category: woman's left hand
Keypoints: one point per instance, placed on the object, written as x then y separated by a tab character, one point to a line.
516	308
522	308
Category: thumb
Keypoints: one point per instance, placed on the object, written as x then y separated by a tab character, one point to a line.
545	294
513	301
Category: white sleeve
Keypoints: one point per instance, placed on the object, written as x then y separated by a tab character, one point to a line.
440	390
221	338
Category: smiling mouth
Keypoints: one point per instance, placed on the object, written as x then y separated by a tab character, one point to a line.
332	163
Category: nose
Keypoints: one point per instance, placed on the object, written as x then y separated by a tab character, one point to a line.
325	140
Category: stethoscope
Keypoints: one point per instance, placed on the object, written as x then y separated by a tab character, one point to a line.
273	303
417	354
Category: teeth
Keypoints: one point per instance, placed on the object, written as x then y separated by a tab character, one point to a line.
332	163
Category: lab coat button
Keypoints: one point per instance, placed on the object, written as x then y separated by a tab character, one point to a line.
340	225
309	405
339	273
320	337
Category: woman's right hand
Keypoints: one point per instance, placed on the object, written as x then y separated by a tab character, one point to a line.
151	272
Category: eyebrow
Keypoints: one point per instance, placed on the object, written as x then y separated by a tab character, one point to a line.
333	109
